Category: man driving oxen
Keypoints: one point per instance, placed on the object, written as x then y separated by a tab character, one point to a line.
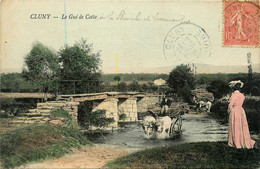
165	104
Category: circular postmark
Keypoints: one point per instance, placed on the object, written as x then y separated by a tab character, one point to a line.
186	42
241	23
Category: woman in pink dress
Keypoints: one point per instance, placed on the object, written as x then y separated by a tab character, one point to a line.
238	132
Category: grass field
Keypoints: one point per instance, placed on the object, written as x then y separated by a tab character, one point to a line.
192	155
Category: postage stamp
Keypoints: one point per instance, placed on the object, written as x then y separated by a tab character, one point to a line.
241	23
186	42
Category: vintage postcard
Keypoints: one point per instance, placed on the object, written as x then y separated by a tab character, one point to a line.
128	77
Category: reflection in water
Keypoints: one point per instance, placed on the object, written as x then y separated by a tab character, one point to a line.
195	129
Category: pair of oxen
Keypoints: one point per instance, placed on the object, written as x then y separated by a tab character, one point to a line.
203	106
161	127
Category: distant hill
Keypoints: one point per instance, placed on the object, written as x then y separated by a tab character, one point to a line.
201	68
204	68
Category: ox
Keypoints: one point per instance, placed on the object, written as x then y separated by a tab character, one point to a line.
148	125
163	125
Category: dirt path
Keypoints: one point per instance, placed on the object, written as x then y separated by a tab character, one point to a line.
88	157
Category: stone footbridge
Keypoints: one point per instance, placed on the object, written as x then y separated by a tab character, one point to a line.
114	103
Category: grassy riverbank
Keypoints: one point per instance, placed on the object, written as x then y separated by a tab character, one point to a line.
191	155
38	142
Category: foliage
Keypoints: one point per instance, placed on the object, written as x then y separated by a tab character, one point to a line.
74	70
79	68
219	111
250	87
182	81
122	87
70	122
134	76
251	107
191	155
96	118
219	88
122	116
117	78
37	142
41	65
13	107
14	82
60	113
134	86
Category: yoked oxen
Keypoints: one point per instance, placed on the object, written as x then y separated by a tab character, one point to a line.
148	126
163	125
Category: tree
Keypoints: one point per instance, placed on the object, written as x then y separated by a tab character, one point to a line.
14	82
79	68
182	81
117	78
122	87
41	66
219	88
134	86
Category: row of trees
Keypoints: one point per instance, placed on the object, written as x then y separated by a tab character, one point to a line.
182	80
64	71
134	86
75	69
134	76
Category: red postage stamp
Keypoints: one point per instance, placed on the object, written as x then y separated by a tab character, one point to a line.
241	23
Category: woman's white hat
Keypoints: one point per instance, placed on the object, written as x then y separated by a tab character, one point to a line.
233	83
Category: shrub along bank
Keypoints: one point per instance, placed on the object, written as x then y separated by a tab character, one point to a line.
14	107
38	142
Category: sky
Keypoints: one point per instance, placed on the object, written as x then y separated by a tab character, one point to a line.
134	30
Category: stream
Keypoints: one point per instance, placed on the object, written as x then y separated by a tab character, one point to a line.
196	128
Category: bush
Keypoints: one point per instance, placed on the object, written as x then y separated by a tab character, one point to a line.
70	122
122	87
38	142
11	107
122	116
219	88
252	109
219	111
250	87
14	82
134	86
96	118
